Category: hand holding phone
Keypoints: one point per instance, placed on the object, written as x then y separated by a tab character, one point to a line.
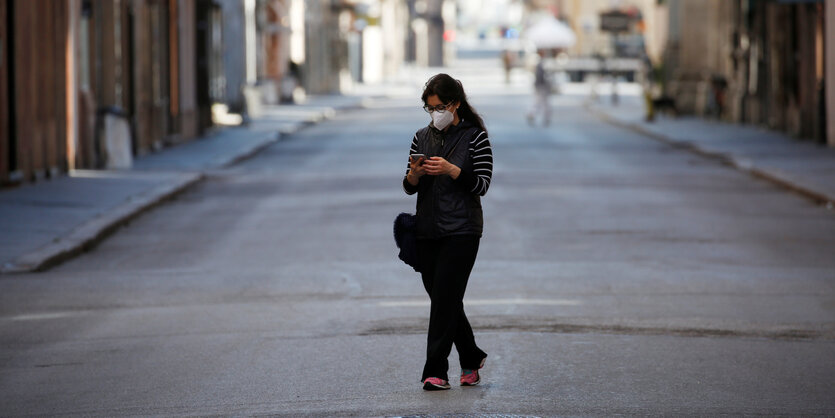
416	170
418	158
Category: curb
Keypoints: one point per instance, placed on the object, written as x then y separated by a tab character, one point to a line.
742	164
326	113
247	153
89	234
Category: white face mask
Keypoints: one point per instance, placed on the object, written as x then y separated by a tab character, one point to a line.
442	119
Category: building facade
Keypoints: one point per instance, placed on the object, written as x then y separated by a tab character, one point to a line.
95	83
759	62
66	67
584	17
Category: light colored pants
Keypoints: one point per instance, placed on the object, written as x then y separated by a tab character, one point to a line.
541	105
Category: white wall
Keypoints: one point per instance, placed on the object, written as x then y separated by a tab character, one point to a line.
372	54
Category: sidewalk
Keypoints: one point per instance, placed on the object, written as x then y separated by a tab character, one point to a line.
800	166
50	221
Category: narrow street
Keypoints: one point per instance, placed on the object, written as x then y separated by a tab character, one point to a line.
617	275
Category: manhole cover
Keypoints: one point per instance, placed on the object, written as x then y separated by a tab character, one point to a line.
465	416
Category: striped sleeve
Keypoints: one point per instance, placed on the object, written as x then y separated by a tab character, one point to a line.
482	155
412	150
407	187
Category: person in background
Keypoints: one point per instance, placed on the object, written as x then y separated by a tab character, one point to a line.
509	60
542	92
450	168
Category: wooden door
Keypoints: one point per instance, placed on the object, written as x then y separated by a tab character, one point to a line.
5	154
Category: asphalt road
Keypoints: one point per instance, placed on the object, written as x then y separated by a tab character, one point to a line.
616	275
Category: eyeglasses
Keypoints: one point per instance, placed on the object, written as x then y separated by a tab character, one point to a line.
439	108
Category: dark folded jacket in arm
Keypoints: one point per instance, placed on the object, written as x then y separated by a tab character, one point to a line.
404	237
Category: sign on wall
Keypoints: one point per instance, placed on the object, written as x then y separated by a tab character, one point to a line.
614	21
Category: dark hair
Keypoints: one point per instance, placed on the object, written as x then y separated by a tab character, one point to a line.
449	90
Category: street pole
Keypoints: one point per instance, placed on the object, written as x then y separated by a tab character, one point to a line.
612	71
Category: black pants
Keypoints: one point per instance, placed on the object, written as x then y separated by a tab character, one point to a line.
446	264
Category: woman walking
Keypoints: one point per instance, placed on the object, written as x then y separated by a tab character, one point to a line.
450	167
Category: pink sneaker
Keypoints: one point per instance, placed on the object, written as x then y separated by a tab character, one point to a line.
434	383
471	377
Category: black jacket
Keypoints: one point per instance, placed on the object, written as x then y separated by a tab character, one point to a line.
447	207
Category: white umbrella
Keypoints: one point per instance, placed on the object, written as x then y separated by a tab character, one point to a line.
549	32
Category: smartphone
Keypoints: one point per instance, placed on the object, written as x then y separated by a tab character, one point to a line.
416	157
